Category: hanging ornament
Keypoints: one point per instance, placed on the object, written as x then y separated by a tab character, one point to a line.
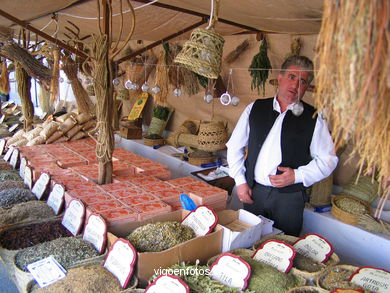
156	90
128	84
235	101
116	81
61	79
134	86
208	98
145	87
297	108
177	92
225	99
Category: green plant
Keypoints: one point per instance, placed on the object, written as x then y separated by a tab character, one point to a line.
260	68
161	112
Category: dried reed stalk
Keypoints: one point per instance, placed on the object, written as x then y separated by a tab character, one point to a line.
162	79
44	100
353	86
233	55
24	85
54	85
4	78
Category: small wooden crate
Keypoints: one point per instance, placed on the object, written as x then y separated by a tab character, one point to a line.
131	132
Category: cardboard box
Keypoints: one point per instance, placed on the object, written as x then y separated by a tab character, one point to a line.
201	248
241	229
267	225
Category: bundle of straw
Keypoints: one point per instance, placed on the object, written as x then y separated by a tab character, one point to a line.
44	100
161	79
24	85
54	85
4	79
353	86
372	225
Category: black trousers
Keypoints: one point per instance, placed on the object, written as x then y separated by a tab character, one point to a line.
285	209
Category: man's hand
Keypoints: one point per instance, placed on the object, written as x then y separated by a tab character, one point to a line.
284	179
244	193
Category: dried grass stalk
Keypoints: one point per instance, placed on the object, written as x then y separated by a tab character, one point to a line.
233	55
162	79
24	85
353	86
54	85
44	100
4	78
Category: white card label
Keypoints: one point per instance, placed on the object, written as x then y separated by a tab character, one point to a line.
2	119
13	127
167	284
22	167
120	261
96	232
231	270
315	247
14	158
56	198
73	216
40	185
8	154
373	279
2	146
202	220
277	254
28	176
46	271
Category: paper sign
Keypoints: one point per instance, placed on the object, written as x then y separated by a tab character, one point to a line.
23	163
120	261
167	284
277	254
2	146
40	185
231	270
73	216
56	198
202	220
8	154
373	279
138	107
315	247
28	176
46	271
14	158
13	127
96	232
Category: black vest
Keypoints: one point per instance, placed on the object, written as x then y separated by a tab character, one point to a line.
296	136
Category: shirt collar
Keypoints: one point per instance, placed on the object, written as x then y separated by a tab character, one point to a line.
276	105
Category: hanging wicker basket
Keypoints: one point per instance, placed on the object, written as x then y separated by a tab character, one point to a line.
202	53
212	136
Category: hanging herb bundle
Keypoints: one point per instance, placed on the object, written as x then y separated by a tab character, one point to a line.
260	68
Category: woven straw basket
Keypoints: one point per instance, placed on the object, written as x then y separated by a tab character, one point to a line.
153	142
202	53
344	216
306	289
321	192
212	136
333	269
197	161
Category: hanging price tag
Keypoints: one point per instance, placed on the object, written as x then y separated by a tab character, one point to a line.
28	176
231	270
8	154
73	216
56	198
22	167
41	185
373	279
2	146
120	261
46	271
202	220
96	232
167	284
14	158
277	254
315	247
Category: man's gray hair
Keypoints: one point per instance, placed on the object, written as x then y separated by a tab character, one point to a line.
301	61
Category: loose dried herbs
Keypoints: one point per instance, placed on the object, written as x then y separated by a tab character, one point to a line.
337	277
159	236
66	250
94	278
10	197
5	166
351	206
32	234
12	184
25	211
9	175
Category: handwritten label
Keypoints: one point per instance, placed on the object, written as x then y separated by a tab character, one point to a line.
8	154
22	167
14	158
231	270
2	146
277	254
120	261
315	247
56	198
46	271
202	220
96	232
167	284
28	176
73	217
373	279
40	185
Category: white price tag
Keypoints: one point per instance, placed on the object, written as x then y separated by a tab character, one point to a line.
13	127
167	284
14	158
2	119
231	270
46	271
373	279
277	254
56	198
8	154
22	167
40	185
28	176
2	146
96	232
120	261
315	247
202	220
73	216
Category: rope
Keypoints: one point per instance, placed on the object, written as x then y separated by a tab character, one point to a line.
213	14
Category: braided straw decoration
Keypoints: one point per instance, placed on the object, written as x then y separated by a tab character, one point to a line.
24	85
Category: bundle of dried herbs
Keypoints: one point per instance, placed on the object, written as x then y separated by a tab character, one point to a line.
10	197
94	278
9	175
25	211
8	184
351	206
66	250
29	235
159	236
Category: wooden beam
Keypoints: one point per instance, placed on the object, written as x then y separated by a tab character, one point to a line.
162	41
43	35
171	7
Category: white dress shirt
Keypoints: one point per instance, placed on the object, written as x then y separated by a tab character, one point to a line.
324	159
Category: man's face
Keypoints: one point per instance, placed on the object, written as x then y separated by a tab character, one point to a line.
293	84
